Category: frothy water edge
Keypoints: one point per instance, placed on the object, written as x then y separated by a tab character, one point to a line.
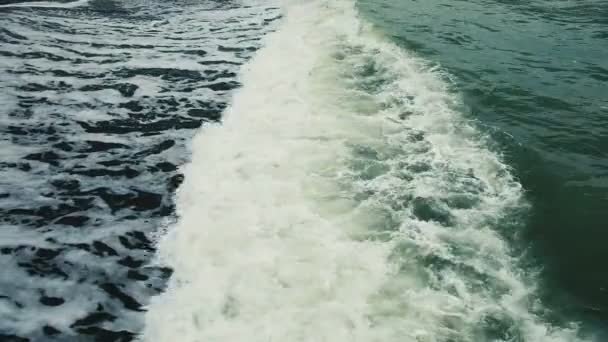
345	198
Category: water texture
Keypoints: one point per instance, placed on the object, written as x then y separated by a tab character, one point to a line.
99	102
371	170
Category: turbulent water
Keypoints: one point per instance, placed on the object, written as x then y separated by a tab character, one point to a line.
534	76
99	101
379	172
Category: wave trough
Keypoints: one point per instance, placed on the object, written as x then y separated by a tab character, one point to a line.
345	198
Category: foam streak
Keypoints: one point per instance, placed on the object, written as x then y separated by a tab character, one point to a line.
343	199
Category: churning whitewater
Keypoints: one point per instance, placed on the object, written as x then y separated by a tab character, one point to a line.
345	198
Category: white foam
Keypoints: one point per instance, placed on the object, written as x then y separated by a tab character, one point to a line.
344	198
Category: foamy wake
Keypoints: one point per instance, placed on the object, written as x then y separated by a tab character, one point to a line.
344	199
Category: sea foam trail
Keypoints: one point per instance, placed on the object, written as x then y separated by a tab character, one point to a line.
344	199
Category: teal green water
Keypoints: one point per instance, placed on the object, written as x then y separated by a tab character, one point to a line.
534	76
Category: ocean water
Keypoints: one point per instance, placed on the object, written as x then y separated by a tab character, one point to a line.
99	101
371	170
533	75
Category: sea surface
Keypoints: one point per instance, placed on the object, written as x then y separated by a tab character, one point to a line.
532	75
99	102
304	170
